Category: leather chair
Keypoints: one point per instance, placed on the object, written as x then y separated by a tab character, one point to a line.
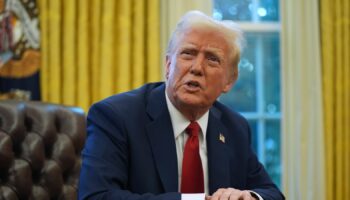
40	145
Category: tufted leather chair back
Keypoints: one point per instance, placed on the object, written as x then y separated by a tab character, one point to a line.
40	146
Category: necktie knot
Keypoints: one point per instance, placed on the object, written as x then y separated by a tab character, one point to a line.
193	129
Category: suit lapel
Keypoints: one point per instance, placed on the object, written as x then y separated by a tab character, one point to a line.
218	156
161	138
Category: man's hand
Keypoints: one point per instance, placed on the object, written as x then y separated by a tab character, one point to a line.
231	194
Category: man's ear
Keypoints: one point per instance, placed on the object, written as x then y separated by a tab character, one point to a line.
230	82
228	86
167	66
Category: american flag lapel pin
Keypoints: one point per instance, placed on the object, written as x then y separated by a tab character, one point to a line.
222	138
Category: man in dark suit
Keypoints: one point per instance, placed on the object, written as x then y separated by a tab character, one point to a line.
173	140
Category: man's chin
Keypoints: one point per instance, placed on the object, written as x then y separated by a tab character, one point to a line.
192	103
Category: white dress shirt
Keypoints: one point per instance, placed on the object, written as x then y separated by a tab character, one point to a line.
180	123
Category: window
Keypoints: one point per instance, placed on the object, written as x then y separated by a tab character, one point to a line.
256	94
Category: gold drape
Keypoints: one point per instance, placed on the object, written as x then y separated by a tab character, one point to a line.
302	121
92	49
335	31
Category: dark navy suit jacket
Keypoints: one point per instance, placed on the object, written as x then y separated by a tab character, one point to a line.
130	150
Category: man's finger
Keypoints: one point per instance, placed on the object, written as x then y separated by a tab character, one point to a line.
245	195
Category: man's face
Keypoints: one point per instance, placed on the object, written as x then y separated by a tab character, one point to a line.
198	69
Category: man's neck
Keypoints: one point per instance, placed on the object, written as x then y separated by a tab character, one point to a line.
192	114
189	112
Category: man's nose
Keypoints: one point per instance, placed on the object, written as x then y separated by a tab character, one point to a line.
198	66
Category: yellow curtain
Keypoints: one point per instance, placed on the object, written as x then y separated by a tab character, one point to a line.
302	121
92	49
335	31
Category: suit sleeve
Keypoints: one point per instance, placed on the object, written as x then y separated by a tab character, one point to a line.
104	172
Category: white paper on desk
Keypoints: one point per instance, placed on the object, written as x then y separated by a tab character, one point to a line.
197	196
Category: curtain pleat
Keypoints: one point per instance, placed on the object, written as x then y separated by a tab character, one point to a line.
138	47
93	49
153	37
69	52
43	16
83	65
124	52
302	122
335	27
54	70
106	65
346	153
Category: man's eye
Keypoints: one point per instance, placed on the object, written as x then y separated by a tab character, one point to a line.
214	59
187	52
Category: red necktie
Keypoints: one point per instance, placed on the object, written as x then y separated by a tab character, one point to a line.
192	171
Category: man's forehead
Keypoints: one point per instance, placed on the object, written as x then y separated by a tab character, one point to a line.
203	45
208	38
204	36
206	47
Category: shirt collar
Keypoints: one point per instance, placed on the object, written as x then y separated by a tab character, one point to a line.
180	122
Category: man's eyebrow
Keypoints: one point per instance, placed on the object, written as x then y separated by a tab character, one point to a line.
208	50
187	46
215	51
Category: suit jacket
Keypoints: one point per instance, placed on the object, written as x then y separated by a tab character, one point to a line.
130	150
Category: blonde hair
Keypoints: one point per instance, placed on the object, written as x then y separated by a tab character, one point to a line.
230	30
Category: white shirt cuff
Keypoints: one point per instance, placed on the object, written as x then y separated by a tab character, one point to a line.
197	196
254	194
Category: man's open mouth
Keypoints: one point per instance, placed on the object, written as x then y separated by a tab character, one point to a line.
193	84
